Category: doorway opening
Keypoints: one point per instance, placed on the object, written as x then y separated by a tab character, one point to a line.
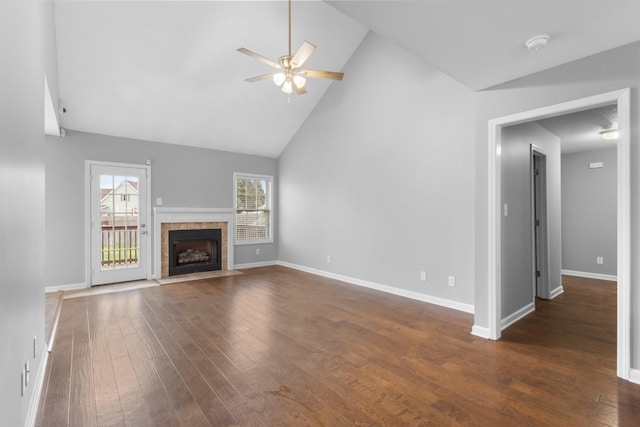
621	99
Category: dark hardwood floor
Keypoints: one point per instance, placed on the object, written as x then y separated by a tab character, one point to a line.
278	347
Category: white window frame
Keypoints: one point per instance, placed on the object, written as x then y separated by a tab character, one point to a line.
269	207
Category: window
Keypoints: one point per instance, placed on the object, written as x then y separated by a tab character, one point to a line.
252	199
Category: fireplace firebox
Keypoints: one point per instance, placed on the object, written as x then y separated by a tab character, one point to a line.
194	251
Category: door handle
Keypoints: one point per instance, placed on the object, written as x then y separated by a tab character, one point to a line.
143	232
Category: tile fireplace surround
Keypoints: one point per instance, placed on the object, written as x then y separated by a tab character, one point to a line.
166	219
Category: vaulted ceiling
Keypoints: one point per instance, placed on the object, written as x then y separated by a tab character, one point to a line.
168	71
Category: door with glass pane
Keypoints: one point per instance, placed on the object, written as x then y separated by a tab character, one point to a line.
119	232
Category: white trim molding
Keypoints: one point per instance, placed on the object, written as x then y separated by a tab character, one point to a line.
634	375
589	275
32	412
555	292
112	288
517	315
480	331
70	287
170	215
620	98
467	308
255	264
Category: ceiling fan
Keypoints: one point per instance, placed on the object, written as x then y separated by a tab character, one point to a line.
290	77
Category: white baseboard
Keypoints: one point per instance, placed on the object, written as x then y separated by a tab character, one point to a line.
467	308
514	317
634	375
590	275
32	412
254	264
555	292
72	287
480	331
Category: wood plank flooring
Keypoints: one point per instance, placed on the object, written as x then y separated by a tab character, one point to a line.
278	347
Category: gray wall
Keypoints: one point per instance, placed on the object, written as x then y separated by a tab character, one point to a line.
517	271
612	70
380	177
209	174
26	29
589	209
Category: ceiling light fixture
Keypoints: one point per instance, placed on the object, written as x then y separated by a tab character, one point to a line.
609	134
537	42
291	77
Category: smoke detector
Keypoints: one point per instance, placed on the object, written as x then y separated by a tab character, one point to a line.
537	42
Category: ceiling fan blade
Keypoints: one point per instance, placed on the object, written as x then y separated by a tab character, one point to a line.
259	78
303	53
299	90
259	57
319	74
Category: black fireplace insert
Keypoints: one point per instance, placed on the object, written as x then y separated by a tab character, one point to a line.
194	251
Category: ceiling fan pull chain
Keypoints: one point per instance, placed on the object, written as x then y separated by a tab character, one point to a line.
289	27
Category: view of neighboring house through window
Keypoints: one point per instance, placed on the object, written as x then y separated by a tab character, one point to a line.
252	199
119	221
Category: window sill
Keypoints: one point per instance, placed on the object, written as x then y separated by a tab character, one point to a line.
252	242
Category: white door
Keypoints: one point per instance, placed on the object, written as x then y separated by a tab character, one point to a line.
118	221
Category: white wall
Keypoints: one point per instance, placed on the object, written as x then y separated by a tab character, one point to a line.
589	208
517	269
182	176
612	70
380	177
25	28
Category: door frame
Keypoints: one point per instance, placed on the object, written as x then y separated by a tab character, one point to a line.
87	214
622	99
540	247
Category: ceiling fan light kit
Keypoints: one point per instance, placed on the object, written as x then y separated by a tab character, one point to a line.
291	77
609	134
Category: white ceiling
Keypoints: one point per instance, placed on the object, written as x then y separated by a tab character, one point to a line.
168	71
580	131
480	43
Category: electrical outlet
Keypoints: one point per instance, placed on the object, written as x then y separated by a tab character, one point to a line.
452	281
257	251
423	276
158	201
599	260
328	259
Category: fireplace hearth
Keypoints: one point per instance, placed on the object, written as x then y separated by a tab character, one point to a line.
194	251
